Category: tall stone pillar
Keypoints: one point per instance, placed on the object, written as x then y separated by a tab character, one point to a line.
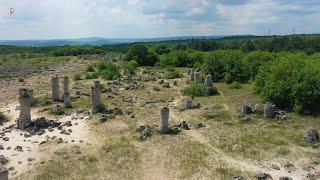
208	84
4	173
55	88
67	100
196	76
269	110
191	75
96	95
66	84
25	109
164	120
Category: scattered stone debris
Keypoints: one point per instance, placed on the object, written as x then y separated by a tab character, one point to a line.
311	135
285	178
145	132
238	178
38	125
263	176
189	105
3	160
184	125
18	148
269	110
199	125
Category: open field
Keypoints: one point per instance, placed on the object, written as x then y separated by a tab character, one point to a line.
226	148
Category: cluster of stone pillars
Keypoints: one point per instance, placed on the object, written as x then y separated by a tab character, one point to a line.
194	75
56	90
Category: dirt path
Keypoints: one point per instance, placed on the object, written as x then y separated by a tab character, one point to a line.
241	164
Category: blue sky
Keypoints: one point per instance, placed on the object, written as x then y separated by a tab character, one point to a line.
57	19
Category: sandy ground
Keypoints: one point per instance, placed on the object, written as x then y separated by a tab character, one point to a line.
33	153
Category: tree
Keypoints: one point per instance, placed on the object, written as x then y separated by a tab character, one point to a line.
142	55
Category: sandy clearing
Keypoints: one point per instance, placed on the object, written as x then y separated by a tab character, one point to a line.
30	146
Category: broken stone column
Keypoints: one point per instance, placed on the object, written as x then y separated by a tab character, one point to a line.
164	120
196	76
96	95
55	88
25	108
191	75
67	100
208	84
269	111
66	84
4	173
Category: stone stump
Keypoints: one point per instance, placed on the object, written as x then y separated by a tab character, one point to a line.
269	111
55	88
189	104
208	84
25	109
196	77
66	84
96	95
67	100
191	75
164	120
246	108
4	173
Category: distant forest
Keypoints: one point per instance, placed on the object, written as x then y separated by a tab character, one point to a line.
307	43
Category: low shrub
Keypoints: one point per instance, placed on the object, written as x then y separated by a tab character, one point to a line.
172	73
228	78
108	70
130	67
77	77
235	85
198	90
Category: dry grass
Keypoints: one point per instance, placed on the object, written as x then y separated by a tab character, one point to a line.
207	153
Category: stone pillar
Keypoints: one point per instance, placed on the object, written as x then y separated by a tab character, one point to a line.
55	88
66	84
67	100
164	120
96	95
196	76
208	84
189	104
25	109
191	75
4	173
246	108
269	111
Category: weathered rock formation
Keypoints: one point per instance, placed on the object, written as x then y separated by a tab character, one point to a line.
96	95
55	88
164	120
25	109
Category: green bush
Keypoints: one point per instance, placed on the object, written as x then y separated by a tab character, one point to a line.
292	83
142	55
108	70
198	90
228	78
235	85
130	66
172	73
218	63
90	68
162	49
92	76
254	60
77	77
